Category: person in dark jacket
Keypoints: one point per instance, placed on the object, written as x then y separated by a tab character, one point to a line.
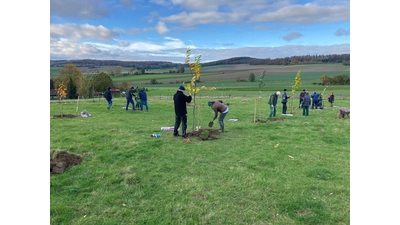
143	100
273	99
108	96
301	97
219	106
180	100
314	98
331	98
306	103
129	98
284	101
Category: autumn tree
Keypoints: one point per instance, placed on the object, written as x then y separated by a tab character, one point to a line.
71	77
325	79
102	81
125	85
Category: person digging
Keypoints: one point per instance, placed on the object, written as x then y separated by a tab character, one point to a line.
218	106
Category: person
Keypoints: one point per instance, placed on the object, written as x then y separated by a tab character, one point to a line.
273	99
284	101
180	100
129	98
137	99
143	100
219	106
331	98
301	97
314	97
108	96
306	103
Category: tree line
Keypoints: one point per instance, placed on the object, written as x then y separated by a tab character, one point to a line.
148	65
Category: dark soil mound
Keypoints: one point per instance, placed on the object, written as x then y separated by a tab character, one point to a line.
205	134
61	160
64	116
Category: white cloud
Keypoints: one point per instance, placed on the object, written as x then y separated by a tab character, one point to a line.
306	14
161	28
87	9
76	32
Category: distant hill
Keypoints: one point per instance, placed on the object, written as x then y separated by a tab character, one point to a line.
294	60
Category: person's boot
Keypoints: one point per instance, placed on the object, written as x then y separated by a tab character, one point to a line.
221	129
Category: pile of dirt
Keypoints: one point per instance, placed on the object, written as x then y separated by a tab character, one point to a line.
205	134
61	160
64	116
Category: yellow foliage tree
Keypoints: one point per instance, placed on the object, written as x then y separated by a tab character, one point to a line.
296	85
195	72
62	93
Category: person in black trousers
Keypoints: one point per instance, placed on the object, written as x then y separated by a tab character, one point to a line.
180	100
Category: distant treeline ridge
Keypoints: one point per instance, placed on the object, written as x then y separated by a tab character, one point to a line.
294	60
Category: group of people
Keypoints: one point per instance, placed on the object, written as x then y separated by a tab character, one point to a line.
180	101
315	100
141	100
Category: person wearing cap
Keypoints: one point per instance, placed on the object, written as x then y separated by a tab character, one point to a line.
306	103
219	106
273	99
284	101
129	98
301	97
108	96
180	100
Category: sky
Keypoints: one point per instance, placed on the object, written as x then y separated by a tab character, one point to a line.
162	30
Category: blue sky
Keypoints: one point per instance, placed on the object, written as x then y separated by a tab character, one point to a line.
162	30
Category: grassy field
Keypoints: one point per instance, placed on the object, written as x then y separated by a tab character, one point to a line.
292	171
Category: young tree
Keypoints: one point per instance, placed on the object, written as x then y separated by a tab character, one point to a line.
195	72
295	86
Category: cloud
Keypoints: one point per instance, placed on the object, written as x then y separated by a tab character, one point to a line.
123	43
306	14
193	18
161	28
342	32
291	36
76	32
86	9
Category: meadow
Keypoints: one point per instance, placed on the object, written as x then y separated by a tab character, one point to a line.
292	171
295	170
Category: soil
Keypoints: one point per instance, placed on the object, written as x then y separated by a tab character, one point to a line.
269	119
205	134
64	116
61	160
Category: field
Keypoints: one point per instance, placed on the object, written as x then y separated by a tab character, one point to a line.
291	170
295	170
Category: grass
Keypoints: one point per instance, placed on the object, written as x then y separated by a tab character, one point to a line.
295	171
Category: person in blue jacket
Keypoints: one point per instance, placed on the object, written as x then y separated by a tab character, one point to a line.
284	101
314	98
143	100
180	100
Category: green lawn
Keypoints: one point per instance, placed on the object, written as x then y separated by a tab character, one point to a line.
294	171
